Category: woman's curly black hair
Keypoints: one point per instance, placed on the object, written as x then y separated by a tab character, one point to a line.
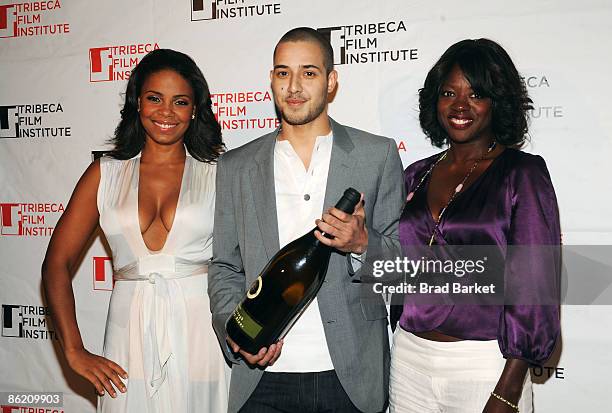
203	137
491	73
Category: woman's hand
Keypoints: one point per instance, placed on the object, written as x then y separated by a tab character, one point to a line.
509	387
98	370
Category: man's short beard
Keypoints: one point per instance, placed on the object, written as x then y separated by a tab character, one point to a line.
309	117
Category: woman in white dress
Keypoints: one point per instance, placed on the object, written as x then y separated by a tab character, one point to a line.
154	199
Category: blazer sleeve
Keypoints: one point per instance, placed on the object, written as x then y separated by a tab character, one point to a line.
226	278
383	231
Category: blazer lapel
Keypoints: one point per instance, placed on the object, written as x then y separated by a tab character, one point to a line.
340	165
262	182
264	195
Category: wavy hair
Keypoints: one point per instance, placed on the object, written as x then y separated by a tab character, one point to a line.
203	137
491	73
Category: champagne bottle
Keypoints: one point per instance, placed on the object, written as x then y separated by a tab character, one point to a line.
283	290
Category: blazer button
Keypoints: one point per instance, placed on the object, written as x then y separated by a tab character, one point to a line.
306	197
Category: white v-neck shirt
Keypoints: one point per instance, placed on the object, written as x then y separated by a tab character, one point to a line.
300	196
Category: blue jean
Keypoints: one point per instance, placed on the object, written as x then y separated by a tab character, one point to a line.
319	392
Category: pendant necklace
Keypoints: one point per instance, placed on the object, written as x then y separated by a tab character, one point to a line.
457	190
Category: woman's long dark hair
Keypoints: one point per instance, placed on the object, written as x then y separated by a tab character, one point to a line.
491	73
203	137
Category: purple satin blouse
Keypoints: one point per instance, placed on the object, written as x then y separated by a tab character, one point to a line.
511	203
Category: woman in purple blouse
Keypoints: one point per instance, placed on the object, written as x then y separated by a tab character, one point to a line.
481	191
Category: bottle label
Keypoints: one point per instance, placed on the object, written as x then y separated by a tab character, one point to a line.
246	323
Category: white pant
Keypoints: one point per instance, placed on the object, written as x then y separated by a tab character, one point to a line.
446	377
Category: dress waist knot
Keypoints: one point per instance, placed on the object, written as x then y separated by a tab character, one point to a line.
163	313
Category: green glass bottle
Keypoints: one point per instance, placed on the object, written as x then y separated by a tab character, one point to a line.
283	290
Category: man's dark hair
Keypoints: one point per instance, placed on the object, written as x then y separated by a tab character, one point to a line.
491	74
308	34
203	137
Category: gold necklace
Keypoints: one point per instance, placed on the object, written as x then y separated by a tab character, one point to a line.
458	188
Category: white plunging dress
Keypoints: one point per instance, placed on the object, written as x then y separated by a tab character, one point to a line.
159	322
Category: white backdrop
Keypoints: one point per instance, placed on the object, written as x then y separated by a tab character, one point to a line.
65	64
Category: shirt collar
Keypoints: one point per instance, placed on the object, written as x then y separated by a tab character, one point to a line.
322	139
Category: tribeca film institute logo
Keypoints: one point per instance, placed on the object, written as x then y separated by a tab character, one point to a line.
29	409
243	110
102	274
29	220
30	19
539	85
27	321
363	43
231	9
111	63
35	120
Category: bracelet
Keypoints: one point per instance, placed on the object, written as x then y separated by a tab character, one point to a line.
498	397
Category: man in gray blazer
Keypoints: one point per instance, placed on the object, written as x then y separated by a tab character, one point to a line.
271	191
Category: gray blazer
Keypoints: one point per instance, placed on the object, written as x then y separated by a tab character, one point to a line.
245	237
